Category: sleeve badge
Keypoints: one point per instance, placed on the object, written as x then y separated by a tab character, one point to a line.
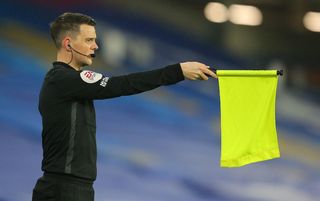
90	76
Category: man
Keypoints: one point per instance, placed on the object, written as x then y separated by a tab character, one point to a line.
67	110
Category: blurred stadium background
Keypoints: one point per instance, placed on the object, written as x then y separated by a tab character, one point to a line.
164	145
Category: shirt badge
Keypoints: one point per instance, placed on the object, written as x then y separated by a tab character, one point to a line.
90	76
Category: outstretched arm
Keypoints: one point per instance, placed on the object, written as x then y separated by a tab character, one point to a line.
92	85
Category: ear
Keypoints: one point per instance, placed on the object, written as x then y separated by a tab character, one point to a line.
66	43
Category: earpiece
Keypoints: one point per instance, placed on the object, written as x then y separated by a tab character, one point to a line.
90	55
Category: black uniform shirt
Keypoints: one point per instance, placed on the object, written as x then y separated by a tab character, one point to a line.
68	115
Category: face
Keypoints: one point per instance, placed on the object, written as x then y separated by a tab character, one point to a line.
84	42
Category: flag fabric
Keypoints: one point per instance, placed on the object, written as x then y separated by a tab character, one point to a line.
248	126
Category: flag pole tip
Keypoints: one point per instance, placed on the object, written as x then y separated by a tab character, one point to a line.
280	72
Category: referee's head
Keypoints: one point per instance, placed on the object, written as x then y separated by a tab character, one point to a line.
74	35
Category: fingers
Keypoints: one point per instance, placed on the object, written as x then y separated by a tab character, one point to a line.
199	75
203	73
208	72
202	76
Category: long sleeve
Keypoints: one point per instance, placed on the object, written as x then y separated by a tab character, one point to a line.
91	85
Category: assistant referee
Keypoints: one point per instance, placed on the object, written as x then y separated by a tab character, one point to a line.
67	110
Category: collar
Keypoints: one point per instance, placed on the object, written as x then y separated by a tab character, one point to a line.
60	63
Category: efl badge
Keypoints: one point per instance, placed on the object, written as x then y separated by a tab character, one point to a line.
90	76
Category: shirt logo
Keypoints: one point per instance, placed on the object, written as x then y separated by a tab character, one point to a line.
90	76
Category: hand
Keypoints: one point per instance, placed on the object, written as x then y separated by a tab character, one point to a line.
196	71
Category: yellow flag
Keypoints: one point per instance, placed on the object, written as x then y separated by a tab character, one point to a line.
248	126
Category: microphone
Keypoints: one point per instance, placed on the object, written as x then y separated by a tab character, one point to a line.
90	55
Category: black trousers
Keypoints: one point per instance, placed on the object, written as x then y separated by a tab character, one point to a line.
55	187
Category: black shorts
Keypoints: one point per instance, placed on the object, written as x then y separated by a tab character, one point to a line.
52	187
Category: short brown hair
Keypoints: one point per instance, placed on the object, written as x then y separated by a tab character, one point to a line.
68	22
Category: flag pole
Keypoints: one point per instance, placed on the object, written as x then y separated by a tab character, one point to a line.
279	72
